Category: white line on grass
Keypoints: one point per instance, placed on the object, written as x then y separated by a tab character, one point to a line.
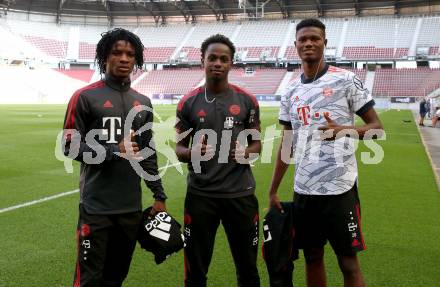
38	201
6	209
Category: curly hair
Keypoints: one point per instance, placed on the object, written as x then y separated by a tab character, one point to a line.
218	38
109	38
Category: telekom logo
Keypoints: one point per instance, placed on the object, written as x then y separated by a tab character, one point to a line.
113	129
304	114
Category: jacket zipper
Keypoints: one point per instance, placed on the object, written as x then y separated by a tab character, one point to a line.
123	117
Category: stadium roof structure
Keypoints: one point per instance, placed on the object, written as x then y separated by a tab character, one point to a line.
192	9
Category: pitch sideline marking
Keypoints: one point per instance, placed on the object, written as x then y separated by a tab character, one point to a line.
29	203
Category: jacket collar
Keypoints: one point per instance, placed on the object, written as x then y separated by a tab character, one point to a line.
117	84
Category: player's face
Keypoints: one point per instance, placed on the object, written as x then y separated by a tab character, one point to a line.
310	43
217	61
121	60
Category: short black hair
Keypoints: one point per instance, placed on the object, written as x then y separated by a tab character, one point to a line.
109	38
218	38
310	22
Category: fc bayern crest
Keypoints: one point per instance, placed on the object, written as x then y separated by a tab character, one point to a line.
327	92
234	110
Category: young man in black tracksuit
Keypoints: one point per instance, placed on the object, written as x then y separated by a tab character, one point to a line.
220	182
98	133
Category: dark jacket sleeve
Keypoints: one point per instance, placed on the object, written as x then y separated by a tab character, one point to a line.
182	117
75	132
150	163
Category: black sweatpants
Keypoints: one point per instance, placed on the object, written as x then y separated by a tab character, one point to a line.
105	248
240	219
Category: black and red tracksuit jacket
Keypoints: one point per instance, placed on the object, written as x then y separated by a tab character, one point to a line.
98	113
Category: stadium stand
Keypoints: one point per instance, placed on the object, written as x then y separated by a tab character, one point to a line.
161	42
260	41
189	54
50	47
173	81
136	74
367	53
87	51
430	35
91	34
291	54
434	51
378	38
406	82
47	37
352	38
82	75
257	54
258	82
190	51
158	54
384	38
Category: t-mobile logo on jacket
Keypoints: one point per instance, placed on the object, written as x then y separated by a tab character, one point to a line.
304	114
113	130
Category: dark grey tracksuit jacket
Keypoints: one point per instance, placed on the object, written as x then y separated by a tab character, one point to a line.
112	186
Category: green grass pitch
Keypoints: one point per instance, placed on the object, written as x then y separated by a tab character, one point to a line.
400	209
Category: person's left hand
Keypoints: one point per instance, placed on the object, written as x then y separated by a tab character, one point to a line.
238	153
158	206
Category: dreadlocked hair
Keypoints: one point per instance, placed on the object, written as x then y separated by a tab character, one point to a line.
109	38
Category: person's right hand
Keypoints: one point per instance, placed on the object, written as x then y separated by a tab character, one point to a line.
129	149
204	148
274	201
